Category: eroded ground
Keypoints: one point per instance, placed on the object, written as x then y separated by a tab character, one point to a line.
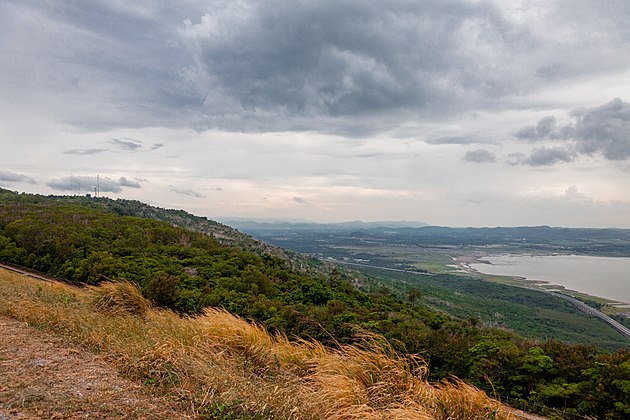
41	377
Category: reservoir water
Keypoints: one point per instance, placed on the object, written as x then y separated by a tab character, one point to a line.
597	276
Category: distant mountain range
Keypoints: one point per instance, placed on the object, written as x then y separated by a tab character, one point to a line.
311	237
292	224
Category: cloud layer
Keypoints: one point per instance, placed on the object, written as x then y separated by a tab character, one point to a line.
274	65
83	184
600	131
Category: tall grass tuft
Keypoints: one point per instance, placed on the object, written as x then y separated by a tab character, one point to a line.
225	366
370	380
120	297
458	400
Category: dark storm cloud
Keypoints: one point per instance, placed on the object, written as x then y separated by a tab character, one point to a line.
350	58
353	68
126	144
549	156
480	156
188	192
12	177
602	130
96	64
88	183
273	65
544	156
542	130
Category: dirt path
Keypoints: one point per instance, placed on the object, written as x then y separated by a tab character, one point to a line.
526	416
41	377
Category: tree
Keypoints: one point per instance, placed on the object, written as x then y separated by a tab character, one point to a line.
413	295
163	289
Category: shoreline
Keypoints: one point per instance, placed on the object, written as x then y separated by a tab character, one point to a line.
464	263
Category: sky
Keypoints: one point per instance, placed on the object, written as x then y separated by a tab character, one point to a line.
450	112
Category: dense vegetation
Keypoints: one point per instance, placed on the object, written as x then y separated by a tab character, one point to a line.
88	241
531	313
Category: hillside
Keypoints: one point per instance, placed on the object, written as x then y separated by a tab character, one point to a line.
218	365
392	258
92	241
44	376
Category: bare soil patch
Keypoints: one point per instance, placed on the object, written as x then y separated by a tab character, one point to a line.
42	377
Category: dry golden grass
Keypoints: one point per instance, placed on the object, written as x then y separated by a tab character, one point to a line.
121	297
223	365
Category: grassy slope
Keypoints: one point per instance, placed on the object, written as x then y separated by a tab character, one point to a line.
228	368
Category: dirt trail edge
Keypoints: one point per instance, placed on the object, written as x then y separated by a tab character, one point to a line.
41	377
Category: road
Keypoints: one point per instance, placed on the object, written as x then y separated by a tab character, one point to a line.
25	272
620	328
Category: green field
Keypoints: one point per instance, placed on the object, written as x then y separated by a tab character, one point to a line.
531	313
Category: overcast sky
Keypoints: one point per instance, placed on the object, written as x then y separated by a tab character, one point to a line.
451	112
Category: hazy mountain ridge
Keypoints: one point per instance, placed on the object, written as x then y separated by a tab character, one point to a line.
278	224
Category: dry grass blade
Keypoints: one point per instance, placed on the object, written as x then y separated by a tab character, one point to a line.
225	366
458	400
371	380
120	297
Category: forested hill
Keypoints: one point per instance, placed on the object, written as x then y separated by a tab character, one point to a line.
91	240
223	234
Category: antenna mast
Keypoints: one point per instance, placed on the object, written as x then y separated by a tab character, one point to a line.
97	188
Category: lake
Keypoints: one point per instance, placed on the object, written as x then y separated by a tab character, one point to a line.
605	277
